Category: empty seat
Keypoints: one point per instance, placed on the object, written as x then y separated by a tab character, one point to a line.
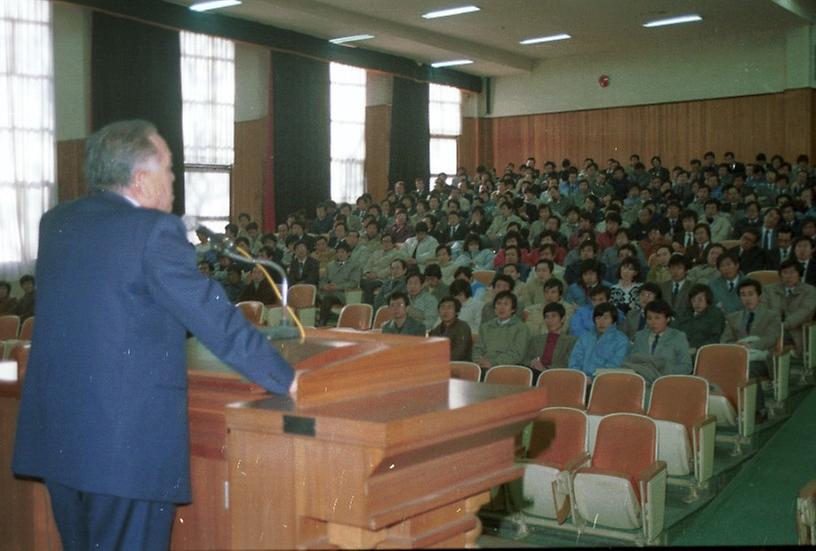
301	299
624	487
27	329
383	315
729	244
9	327
565	387
253	310
466	371
509	375
679	406
614	392
558	446
765	277
734	399
355	316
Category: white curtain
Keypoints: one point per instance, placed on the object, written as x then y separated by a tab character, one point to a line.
445	122
348	103
26	131
208	121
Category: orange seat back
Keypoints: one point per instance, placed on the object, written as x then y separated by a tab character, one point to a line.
9	327
565	387
383	315
301	295
252	310
617	393
20	354
626	443
679	398
558	436
725	365
466	371
509	375
27	329
355	316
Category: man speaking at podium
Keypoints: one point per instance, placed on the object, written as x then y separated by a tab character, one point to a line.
103	416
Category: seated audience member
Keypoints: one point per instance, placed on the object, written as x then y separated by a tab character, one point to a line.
204	249
423	306
578	293
323	254
659	270
703	322
534	287
752	256
421	248
659	349
501	282
552	349
803	252
476	287
583	319
8	304
511	239
233	283
433	282
635	319
473	256
450	326
341	274
395	282
25	304
609	236
724	287
793	299
757	328
586	251
258	288
378	267
513	256
304	268
401	323
718	222
471	307
446	266
697	252
704	273
782	251
624	293
676	290
205	268
684	237
400	230
603	346
503	339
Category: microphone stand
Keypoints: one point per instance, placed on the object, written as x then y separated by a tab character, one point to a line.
227	247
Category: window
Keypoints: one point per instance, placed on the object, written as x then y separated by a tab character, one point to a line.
445	120
348	103
208	120
26	131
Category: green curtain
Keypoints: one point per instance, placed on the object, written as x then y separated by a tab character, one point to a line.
410	133
300	136
136	74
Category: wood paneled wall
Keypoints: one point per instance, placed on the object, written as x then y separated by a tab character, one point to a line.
70	177
378	149
771	123
249	170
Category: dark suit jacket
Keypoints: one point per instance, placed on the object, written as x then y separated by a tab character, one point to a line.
459	235
310	273
754	259
696	255
775	257
104	402
680	303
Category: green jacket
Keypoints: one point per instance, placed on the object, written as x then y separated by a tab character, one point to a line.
502	343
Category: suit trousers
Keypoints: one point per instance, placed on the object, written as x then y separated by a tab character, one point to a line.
87	520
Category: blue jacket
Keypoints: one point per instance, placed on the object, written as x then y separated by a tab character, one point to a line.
104	401
605	351
725	300
582	321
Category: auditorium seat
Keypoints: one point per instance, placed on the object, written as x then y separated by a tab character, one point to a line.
485	277
565	387
518	375
733	401
27	329
780	376
558	446
20	355
624	487
466	371
355	316
9	327
301	299
383	315
809	351
253	311
614	392
679	406
765	277
729	244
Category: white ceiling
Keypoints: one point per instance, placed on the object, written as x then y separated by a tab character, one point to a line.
491	36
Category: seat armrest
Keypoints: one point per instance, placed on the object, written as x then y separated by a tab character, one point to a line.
651	471
707	420
577	462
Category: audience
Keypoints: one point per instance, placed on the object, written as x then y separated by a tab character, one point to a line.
702	322
603	346
450	326
659	349
552	349
503	339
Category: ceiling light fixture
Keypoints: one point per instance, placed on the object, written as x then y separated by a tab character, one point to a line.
214	5
354	38
673	20
449	12
551	38
451	63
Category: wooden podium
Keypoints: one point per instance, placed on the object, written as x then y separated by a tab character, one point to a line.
381	449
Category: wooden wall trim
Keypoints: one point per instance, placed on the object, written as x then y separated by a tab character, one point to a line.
249	169
378	149
70	176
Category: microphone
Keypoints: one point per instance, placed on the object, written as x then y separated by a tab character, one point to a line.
226	246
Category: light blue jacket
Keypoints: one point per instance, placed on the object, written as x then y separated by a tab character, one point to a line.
593	351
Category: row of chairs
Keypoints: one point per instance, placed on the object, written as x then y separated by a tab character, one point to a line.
360	317
12	328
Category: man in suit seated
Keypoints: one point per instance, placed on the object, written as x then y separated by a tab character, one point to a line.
551	350
676	290
659	349
793	299
752	256
702	241
635	319
803	252
757	328
304	268
401	323
724	287
782	251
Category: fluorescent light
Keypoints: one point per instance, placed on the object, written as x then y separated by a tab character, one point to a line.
551	38
673	20
214	5
452	63
354	38
449	12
